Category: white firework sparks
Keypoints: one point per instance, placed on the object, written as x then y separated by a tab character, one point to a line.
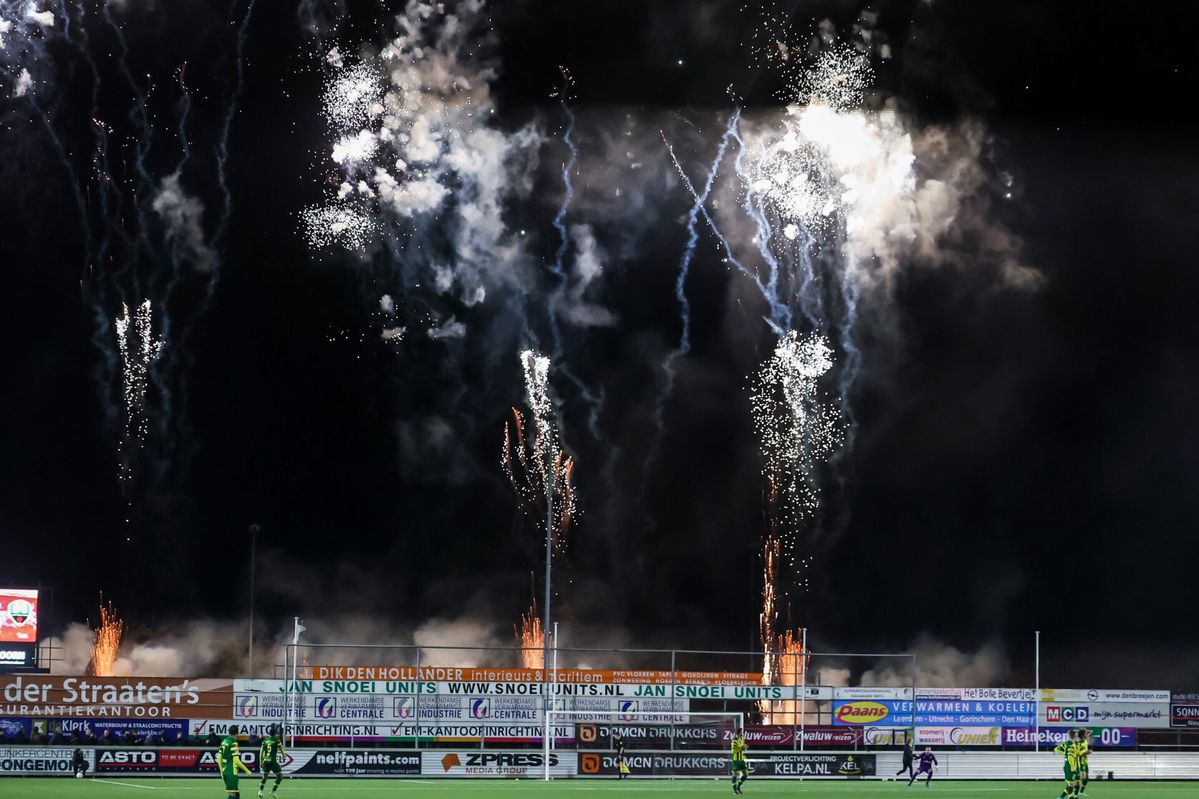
325	226
138	348
356	149
540	469
839	79
797	431
413	125
353	97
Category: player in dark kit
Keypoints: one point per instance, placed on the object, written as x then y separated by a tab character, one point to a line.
927	761
229	761
270	759
907	758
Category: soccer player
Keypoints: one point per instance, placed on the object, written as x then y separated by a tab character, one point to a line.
740	767
927	761
270	759
1084	752
1068	749
622	765
907	757
229	761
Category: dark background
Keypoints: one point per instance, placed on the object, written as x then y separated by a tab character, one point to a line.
1025	459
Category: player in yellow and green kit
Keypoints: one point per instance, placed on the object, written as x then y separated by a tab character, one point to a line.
1084	752
229	761
270	759
1068	749
740	767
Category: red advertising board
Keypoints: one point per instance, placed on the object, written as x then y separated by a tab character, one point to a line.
18	616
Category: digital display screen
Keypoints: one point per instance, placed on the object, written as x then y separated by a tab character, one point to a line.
18	616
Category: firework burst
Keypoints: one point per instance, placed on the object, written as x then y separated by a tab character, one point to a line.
107	644
530	637
138	348
796	430
539	469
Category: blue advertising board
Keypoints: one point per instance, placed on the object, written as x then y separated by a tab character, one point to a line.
10	728
170	728
934	713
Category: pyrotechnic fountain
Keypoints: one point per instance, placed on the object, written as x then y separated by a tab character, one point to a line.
107	645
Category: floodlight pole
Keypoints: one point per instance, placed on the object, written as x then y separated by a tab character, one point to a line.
254	528
545	627
803	676
1036	715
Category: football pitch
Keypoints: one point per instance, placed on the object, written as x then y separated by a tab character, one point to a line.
118	788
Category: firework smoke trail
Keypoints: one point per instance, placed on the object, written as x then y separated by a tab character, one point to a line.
107	644
568	192
680	285
222	148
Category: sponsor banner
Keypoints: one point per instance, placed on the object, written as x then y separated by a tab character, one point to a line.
712	736
933	713
114	697
1184	697
589	676
18	616
782	736
1052	736
397	731
974	694
1184	715
10	728
866	692
362	763
959	736
681	764
18	655
33	760
1105	714
1093	695
468	690
477	763
170	729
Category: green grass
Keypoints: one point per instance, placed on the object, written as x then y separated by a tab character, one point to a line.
361	788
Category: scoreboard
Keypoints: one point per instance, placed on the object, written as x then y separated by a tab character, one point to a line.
18	628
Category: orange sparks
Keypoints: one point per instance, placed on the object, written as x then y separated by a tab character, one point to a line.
107	644
531	637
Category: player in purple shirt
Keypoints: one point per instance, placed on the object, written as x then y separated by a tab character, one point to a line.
927	761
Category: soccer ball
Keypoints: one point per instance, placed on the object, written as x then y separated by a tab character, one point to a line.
78	775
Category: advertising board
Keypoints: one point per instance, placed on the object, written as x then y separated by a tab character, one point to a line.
500	675
477	763
695	764
534	689
18	616
1184	714
452	732
114	697
38	761
959	736
1124	737
1096	695
142	728
1105	714
932	713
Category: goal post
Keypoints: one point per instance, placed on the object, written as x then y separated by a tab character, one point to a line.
714	725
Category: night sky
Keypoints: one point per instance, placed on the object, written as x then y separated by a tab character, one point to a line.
1024	455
